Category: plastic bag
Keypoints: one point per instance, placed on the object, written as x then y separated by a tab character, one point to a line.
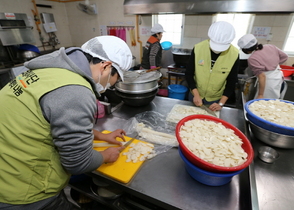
153	128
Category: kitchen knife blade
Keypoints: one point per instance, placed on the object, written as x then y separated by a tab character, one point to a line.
207	110
128	143
105	144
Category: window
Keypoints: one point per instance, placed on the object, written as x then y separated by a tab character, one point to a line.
173	26
289	45
241	22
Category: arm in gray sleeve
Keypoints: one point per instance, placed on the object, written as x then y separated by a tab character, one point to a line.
70	111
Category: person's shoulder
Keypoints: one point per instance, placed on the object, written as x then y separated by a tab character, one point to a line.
270	46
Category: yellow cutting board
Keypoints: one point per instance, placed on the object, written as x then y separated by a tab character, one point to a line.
120	170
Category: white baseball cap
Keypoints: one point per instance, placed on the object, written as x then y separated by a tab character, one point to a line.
110	48
247	41
157	28
221	34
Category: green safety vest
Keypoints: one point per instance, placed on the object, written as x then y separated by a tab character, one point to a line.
211	82
30	167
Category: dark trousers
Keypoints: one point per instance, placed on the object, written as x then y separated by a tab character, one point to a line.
61	203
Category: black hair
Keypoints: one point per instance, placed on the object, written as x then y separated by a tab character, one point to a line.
95	60
254	47
155	35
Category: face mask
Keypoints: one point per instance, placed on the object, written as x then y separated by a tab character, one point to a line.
100	87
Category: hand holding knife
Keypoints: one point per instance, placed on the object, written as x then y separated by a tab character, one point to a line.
208	110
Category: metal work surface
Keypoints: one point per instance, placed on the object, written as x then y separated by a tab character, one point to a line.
164	181
274	182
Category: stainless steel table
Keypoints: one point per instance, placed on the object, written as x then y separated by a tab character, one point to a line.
274	182
164	181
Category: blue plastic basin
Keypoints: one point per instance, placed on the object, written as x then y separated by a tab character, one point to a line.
177	91
205	177
166	45
267	125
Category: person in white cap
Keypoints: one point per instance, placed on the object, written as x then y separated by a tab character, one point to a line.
47	120
264	62
152	51
212	70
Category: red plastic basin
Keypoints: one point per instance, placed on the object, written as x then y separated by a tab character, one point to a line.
287	70
206	165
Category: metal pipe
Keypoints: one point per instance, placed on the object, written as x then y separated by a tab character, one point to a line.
138	37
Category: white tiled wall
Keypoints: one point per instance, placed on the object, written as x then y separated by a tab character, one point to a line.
58	10
75	27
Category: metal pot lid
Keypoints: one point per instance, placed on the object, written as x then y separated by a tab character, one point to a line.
141	76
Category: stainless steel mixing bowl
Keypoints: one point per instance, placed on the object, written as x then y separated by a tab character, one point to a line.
267	154
272	138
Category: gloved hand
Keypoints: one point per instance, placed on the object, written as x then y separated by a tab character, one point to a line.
152	67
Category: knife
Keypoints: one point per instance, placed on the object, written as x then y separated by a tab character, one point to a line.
207	110
128	143
105	144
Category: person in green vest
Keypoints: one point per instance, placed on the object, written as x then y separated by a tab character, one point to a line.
152	51
212	70
47	119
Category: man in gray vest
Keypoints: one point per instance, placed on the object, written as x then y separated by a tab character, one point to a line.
47	118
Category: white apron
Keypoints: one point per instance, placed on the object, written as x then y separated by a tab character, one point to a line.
273	84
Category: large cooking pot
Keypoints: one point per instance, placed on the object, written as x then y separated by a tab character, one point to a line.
137	82
181	57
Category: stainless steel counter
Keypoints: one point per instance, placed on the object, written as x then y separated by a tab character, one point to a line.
164	181
274	182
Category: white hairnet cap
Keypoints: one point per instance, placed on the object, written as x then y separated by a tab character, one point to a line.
157	28
110	48
247	41
221	35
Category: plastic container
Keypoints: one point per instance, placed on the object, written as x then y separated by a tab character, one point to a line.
267	125
177	91
162	92
287	70
206	177
29	47
204	164
166	45
101	110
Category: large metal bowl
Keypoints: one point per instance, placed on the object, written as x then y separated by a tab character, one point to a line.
137	82
272	138
137	88
137	99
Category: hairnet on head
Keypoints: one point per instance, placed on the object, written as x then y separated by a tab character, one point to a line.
221	34
110	48
157	28
247	41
